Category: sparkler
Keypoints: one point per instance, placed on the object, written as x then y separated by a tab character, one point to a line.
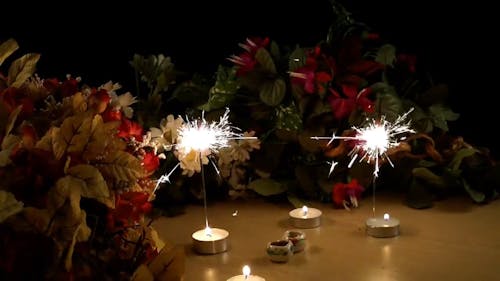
374	140
205	139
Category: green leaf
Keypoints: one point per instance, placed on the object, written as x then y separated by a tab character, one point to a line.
22	69
267	187
426	175
440	114
275	50
273	92
157	71
306	178
388	102
386	54
295	201
189	92
224	90
287	118
7	48
426	163
265	60
297	59
418	196
454	164
435	95
477	196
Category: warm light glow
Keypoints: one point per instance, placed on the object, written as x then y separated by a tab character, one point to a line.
386	216
305	211
374	140
208	231
205	138
246	271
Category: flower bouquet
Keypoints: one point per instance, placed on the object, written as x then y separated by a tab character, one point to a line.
290	95
77	182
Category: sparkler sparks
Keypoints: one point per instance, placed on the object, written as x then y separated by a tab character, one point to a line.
200	138
374	140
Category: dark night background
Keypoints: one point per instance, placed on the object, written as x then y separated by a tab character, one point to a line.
453	41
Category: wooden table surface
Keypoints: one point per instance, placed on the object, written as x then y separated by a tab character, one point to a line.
455	240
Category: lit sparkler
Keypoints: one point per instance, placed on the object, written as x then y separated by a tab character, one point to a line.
205	138
373	140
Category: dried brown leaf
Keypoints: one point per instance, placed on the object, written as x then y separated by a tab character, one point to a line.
7	48
22	69
95	186
73	135
101	137
121	166
12	119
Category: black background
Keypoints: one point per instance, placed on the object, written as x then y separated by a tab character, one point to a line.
453	40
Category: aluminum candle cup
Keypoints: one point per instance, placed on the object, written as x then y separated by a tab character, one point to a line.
210	241
382	227
305	217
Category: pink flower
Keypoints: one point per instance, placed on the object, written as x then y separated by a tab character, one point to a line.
308	75
246	61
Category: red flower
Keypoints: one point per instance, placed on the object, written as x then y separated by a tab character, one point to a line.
69	87
409	60
347	194
150	162
246	61
308	75
12	98
111	115
343	106
99	100
129	129
130	208
351	61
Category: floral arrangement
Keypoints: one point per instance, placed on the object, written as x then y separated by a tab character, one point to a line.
81	176
293	94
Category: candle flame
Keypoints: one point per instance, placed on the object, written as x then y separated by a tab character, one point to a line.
208	231
305	210
246	271
386	216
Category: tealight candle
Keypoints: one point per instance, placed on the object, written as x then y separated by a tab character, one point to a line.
382	227
210	240
305	217
246	276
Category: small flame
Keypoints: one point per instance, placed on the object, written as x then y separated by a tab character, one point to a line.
305	210
246	271
386	217
208	231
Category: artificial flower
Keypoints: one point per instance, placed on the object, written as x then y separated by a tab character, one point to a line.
246	61
347	194
130	129
343	105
